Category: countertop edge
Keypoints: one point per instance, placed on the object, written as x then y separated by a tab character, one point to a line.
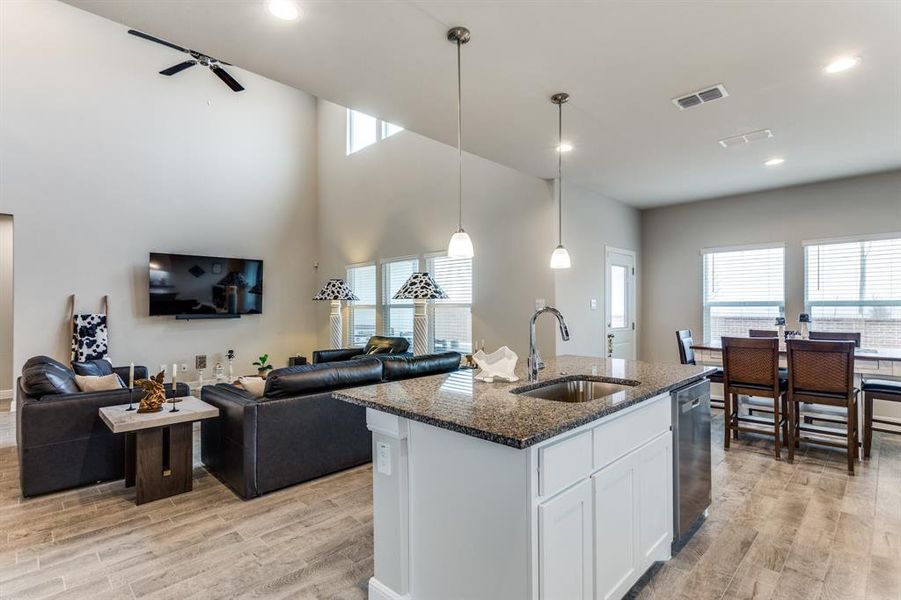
517	443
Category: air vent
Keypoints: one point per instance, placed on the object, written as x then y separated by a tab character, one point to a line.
746	138
701	97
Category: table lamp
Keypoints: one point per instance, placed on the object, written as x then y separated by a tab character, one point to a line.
336	290
420	288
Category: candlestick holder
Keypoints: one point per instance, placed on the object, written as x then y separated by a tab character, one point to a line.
174	408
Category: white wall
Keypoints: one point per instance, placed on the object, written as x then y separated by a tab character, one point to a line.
104	160
590	223
399	197
672	238
6	305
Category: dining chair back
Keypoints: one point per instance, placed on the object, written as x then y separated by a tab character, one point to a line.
853	336
762	333
685	341
821	374
751	369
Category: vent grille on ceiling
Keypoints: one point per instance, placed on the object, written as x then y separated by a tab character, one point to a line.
701	97
746	138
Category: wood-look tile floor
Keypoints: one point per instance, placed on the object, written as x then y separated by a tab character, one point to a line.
776	531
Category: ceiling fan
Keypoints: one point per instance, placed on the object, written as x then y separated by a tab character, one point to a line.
214	64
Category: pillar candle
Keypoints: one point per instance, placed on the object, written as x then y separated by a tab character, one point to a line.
174	377
131	375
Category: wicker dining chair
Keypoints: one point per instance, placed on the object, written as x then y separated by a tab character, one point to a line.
821	379
751	369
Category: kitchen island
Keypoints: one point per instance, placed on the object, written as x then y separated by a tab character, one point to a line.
483	491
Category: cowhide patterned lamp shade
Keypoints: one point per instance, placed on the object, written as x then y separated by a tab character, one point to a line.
336	290
421	286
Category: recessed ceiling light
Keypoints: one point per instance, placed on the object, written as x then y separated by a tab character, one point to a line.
842	64
284	9
777	160
564	147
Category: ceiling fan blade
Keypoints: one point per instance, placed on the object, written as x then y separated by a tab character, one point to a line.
178	68
228	79
141	34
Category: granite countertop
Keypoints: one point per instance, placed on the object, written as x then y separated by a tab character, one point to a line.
490	411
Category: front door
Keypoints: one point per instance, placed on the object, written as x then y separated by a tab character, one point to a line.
620	303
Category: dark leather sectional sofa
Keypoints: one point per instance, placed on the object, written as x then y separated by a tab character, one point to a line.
61	440
297	431
377	345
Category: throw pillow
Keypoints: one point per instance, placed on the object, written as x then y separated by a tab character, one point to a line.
98	383
254	385
97	367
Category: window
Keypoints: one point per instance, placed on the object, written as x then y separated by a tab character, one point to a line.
618	296
855	286
451	319
364	130
397	314
362	319
743	288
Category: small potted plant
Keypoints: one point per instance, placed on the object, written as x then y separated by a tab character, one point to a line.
263	366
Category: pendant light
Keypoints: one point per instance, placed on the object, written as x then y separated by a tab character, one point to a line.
560	256
460	245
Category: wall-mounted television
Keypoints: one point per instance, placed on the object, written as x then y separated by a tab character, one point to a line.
199	287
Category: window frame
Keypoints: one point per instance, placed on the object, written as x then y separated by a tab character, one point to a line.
809	304
432	305
388	303
351	307
705	306
382	131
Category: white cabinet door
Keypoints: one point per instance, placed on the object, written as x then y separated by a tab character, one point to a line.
616	557
564	524
655	501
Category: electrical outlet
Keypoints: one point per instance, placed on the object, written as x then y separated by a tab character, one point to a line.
383	458
200	361
593	304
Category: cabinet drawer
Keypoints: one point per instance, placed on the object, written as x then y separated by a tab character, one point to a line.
563	463
626	433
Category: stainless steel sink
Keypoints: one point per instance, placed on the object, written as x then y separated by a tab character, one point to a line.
577	390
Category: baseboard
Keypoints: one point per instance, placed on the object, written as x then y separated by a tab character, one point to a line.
6	394
380	591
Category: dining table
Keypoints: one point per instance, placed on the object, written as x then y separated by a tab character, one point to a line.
868	362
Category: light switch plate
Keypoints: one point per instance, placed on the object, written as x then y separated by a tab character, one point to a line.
383	458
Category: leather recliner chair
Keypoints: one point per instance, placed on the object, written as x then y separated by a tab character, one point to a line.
62	442
378	345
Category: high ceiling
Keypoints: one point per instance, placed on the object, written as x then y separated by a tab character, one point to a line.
621	62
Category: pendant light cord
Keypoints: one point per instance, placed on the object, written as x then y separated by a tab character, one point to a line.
460	133
560	173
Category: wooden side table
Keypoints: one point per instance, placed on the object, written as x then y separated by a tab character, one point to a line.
158	446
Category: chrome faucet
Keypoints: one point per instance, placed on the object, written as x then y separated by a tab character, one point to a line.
535	362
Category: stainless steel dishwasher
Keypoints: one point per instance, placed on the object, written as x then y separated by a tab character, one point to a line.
691	459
